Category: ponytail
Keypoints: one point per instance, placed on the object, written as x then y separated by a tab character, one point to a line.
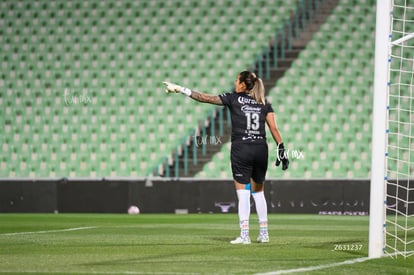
254	85
258	91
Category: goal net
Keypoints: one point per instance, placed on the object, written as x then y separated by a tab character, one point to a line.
399	194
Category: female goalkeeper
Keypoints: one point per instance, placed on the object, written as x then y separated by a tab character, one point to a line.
249	152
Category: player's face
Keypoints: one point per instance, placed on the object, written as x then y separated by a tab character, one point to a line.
240	87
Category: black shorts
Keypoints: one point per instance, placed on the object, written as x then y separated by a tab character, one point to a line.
249	161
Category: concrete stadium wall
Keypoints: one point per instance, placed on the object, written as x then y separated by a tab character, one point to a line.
331	197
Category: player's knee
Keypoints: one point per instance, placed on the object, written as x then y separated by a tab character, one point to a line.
258	187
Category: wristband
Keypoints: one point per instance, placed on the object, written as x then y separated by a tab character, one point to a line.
186	91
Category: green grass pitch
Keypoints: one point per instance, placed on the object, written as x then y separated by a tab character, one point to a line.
187	244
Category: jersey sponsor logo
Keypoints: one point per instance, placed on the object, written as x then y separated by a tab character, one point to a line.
252	137
245	100
250	109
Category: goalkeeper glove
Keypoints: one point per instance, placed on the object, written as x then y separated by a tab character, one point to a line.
174	88
282	157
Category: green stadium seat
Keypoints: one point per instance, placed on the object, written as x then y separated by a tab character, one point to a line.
120	52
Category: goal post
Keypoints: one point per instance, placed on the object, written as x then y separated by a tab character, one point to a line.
378	159
391	228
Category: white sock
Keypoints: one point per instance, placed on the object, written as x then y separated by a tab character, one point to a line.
244	229
244	211
261	208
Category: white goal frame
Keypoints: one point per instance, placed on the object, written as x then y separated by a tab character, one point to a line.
378	161
378	192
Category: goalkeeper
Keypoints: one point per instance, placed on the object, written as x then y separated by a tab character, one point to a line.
249	151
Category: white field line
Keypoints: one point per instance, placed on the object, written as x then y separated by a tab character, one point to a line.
48	231
316	267
286	271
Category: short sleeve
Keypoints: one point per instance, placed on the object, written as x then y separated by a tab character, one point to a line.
269	108
225	99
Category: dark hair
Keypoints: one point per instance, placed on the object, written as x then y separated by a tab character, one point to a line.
254	85
247	78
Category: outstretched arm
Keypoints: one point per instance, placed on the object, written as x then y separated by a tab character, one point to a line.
198	96
205	98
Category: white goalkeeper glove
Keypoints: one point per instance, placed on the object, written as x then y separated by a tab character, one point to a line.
174	88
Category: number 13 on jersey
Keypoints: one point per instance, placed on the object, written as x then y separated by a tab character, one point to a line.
252	121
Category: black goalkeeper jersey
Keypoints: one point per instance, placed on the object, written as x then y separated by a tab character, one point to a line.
248	118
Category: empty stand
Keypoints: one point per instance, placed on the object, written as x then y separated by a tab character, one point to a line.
81	81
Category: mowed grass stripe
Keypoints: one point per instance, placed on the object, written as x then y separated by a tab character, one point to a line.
175	244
